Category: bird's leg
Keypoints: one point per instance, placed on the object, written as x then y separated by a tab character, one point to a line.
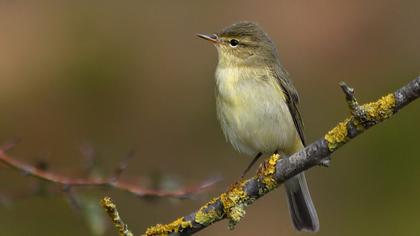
251	164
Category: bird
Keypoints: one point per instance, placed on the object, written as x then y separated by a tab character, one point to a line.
257	107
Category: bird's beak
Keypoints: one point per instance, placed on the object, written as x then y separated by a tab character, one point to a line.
210	37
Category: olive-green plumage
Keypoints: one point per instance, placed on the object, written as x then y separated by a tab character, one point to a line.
257	106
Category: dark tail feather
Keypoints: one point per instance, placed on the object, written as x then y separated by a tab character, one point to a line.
301	208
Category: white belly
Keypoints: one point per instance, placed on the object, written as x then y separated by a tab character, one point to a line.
252	111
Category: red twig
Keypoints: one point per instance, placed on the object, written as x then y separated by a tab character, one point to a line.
96	182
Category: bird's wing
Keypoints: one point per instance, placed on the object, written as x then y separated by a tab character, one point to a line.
292	98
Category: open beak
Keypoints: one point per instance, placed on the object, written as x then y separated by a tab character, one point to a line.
210	37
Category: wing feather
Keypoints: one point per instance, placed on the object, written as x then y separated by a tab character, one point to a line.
292	98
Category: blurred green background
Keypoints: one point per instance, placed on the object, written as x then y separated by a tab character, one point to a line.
123	75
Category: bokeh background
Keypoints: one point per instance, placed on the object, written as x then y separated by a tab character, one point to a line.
122	75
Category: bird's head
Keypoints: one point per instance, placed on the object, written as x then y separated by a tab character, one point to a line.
242	44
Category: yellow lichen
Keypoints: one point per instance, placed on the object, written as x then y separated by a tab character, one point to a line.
111	210
337	136
234	202
357	124
236	214
207	215
266	173
375	112
162	230
381	109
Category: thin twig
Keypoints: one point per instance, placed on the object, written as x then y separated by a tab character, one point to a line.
70	182
354	106
231	204
112	211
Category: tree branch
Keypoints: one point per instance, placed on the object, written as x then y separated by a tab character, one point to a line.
274	171
112	182
112	211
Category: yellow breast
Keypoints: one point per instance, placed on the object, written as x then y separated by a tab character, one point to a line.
252	110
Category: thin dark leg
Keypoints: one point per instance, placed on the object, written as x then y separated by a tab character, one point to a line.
251	164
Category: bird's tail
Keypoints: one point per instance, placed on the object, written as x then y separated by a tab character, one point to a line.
301	208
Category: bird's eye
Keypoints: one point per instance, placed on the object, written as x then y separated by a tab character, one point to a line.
233	43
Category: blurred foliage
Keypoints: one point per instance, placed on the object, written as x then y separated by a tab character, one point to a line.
131	75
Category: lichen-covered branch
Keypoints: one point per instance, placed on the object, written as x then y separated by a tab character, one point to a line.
112	182
111	210
274	171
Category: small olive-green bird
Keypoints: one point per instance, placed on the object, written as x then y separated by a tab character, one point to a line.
257	107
